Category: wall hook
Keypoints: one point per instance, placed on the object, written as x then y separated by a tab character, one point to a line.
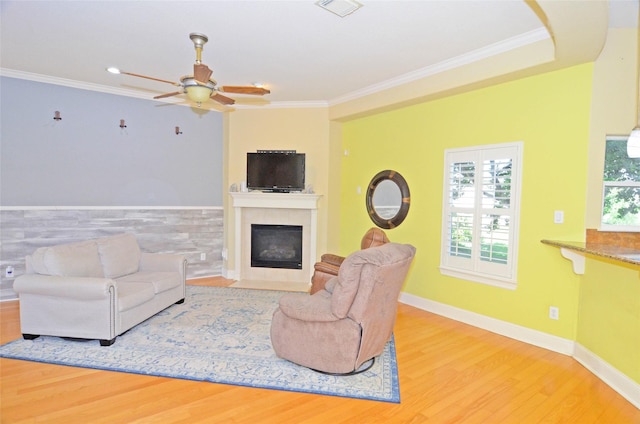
178	132
122	124
56	116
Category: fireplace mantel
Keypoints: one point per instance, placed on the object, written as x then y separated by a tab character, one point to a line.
274	208
258	199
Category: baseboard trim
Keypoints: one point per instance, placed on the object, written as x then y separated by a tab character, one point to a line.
517	332
229	274
611	376
615	379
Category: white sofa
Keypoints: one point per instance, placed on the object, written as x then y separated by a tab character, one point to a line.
96	289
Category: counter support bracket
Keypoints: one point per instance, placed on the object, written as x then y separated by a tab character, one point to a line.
577	259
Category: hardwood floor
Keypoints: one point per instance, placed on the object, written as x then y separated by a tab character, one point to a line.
449	373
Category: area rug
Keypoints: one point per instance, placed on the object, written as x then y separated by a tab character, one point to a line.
219	335
287	286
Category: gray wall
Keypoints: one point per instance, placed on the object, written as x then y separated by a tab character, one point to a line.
84	177
86	159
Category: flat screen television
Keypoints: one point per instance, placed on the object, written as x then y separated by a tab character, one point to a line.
275	171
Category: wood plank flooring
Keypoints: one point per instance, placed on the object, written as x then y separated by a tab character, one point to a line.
449	373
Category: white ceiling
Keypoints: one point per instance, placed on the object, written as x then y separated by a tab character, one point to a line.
301	52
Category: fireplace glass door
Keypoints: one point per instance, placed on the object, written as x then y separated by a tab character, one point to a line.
276	246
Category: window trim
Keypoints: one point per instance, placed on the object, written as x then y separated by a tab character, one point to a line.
508	279
605	184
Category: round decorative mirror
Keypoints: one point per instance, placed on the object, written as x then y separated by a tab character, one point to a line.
388	199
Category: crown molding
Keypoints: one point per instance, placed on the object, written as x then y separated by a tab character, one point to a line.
456	62
492	50
286	105
47	79
30	76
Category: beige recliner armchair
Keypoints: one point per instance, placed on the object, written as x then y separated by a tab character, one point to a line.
329	263
341	327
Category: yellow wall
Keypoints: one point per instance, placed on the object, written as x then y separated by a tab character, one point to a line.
609	308
550	113
609	315
562	117
615	91
305	130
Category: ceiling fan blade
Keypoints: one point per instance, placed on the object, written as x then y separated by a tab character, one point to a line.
177	84
162	96
244	90
222	99
201	72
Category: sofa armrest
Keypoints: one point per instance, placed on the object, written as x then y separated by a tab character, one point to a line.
83	288
316	308
163	262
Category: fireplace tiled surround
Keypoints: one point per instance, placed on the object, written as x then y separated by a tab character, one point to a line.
274	209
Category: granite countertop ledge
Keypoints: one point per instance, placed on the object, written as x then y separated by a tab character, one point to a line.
618	253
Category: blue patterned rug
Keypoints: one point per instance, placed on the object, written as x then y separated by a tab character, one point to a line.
220	335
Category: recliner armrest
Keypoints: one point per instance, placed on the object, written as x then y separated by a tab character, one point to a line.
83	288
326	268
332	259
308	308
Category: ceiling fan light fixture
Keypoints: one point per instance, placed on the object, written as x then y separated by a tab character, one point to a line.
198	93
633	143
199	40
341	8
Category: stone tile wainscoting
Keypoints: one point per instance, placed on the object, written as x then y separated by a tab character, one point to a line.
192	231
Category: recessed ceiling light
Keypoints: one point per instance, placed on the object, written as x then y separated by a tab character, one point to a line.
341	8
113	70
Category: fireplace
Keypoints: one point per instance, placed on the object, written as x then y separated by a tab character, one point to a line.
251	208
276	246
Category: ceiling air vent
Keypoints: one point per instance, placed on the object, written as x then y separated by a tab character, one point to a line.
341	8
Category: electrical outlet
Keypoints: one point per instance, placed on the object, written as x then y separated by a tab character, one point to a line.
554	312
203	256
224	253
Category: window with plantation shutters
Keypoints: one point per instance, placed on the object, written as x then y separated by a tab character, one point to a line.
481	213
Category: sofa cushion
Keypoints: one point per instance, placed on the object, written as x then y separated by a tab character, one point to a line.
68	260
161	281
131	295
120	255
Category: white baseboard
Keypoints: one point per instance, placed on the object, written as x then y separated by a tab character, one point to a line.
523	334
617	380
229	274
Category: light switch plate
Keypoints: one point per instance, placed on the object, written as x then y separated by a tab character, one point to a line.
558	217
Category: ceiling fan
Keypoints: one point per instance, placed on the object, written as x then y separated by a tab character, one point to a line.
200	87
